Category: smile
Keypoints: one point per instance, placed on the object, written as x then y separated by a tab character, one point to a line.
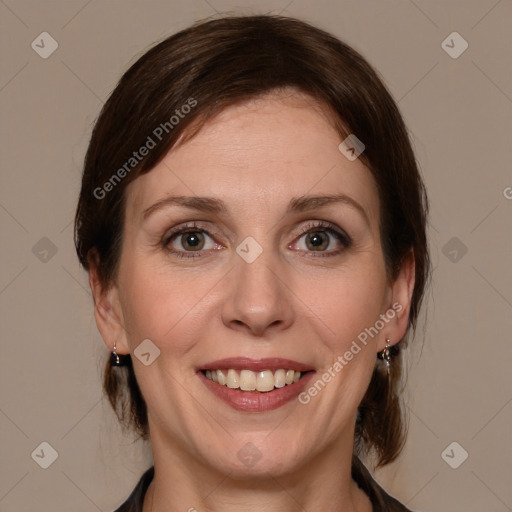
255	386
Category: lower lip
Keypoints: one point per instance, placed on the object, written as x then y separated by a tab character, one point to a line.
256	401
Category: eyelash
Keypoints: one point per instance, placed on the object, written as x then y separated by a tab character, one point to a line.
309	228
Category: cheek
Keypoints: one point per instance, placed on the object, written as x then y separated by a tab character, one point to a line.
162	305
348	302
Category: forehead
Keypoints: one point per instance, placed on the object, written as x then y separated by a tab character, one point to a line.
259	154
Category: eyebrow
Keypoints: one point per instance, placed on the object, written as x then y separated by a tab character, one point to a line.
217	206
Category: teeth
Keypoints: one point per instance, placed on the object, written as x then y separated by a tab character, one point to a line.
280	379
265	381
248	380
232	380
221	378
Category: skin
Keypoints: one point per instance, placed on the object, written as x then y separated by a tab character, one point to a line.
290	302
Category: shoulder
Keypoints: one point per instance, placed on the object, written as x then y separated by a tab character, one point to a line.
381	500
136	499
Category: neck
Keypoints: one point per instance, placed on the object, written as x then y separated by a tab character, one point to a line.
323	484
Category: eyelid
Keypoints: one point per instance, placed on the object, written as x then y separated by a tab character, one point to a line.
322	225
191	226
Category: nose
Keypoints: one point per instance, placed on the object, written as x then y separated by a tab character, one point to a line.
260	300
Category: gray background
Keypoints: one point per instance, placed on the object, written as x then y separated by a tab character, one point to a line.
459	113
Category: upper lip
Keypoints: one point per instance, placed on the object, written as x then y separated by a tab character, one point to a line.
256	365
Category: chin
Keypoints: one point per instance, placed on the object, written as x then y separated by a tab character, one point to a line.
256	457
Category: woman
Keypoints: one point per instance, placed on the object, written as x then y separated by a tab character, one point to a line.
253	223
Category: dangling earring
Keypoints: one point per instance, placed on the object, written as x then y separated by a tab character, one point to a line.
386	354
117	359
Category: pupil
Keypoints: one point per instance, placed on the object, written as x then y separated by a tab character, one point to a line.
316	240
192	237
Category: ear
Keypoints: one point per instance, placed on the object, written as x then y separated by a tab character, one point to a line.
401	294
108	312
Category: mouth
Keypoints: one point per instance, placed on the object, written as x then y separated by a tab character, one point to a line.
255	385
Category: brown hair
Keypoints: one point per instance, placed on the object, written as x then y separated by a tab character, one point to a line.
222	62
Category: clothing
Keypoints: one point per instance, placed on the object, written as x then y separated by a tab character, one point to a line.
381	500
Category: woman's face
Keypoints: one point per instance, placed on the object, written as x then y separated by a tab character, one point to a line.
263	273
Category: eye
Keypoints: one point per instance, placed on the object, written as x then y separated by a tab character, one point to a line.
191	240
320	235
187	240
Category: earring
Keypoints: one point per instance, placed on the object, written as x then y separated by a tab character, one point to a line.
387	353
117	359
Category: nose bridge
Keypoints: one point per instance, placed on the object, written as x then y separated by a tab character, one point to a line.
256	270
258	297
